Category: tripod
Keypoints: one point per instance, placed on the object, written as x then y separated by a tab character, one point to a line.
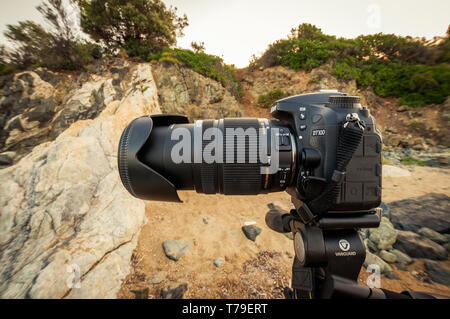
329	254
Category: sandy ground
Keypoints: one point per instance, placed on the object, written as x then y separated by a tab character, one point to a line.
212	226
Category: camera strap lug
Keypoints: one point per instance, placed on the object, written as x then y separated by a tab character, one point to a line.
305	214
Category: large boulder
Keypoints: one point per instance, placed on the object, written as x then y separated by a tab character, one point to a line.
38	105
184	91
418	247
431	211
433	235
67	225
437	272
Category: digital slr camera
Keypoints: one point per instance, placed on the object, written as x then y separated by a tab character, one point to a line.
327	146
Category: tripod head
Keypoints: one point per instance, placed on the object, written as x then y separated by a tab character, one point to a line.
329	254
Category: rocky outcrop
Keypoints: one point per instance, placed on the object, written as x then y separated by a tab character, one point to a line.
183	91
262	81
67	225
39	105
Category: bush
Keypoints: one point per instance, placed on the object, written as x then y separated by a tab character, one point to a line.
266	100
140	27
208	65
56	48
414	70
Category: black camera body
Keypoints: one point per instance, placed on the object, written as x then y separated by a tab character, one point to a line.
315	147
316	121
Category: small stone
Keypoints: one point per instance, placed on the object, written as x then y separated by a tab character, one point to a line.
447	246
174	293
402	108
433	235
174	249
371	245
218	261
392	276
388	256
385	235
7	158
159	277
437	272
385	208
251	231
372	259
289	235
402	258
140	293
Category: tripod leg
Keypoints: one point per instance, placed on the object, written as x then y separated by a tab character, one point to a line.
302	281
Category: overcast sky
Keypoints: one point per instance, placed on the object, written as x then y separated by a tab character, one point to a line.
236	29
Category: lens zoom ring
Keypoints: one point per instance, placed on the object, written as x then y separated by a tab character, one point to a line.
241	178
208	172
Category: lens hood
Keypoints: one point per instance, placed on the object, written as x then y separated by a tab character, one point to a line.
138	178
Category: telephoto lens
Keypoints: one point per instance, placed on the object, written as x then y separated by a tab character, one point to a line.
161	154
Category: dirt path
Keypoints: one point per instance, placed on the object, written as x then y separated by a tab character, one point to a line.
212	226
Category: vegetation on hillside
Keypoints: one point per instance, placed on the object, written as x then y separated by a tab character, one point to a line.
206	64
267	100
57	47
415	70
144	30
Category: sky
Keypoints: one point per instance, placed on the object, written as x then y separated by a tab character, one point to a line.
237	29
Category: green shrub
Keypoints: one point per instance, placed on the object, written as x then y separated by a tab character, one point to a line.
412	69
208	65
56	47
411	161
266	100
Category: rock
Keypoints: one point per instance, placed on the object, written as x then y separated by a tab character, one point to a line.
443	160
385	208
437	272
184	91
431	211
174	293
371	245
418	247
39	105
447	246
7	158
218	261
289	235
374	259
384	236
394	171
388	256
175	249
392	276
64	212
251	231
402	258
433	235
141	293
159	277
402	108
205	220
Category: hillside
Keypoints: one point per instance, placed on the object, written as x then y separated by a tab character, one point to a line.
63	204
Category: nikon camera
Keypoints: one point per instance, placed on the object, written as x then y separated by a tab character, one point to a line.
324	149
